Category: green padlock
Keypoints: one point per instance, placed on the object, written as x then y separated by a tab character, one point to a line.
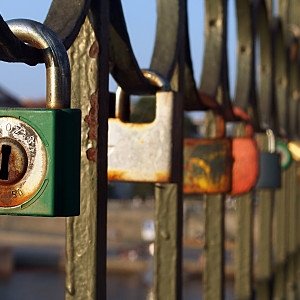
40	148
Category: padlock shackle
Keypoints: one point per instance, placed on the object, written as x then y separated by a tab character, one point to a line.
55	57
154	79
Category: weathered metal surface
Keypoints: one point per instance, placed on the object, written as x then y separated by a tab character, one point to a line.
264	198
168	216
264	68
214	247
291	233
143	152
279	242
264	243
86	234
243	259
297	273
244	245
244	53
207	166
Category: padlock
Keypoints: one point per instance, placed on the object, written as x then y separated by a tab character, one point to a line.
269	162
40	148
285	154
207	165
143	152
245	154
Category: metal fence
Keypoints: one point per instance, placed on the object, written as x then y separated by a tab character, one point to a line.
266	248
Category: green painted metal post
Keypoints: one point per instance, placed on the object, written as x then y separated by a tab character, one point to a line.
244	246
86	234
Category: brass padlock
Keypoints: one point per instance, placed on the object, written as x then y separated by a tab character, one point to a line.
143	152
294	148
207	164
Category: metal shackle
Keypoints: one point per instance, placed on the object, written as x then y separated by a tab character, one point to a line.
154	79
55	57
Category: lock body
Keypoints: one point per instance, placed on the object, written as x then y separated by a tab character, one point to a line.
42	179
245	154
245	168
143	152
269	162
269	171
207	166
40	148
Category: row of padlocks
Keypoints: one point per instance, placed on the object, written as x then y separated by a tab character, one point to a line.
40	148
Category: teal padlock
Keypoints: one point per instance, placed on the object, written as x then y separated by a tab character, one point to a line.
40	148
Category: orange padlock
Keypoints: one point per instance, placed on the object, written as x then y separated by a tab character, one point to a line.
245	153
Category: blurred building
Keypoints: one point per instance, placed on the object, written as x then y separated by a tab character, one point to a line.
7	100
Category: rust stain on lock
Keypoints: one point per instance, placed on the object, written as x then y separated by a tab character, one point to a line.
18	196
207	166
115	175
120	175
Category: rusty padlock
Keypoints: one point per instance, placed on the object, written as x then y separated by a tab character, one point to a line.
143	152
208	163
245	154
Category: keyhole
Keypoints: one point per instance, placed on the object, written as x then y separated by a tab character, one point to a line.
5	150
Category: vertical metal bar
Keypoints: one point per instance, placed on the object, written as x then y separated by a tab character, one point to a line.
264	243
167	284
291	207
169	220
100	18
244	246
214	247
286	239
169	198
279	239
86	234
297	233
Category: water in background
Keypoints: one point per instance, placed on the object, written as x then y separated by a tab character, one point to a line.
37	285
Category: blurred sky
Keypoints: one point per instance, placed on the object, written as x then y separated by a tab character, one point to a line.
29	82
